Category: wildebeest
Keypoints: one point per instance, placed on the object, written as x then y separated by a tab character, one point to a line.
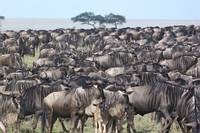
155	95
43	61
114	54
114	59
10	45
182	63
11	60
70	104
19	75
31	100
188	109
9	109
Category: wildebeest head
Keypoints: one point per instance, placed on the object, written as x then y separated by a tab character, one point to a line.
114	105
10	105
188	110
98	97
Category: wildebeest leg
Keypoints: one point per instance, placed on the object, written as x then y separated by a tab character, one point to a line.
98	123
63	125
51	123
98	127
130	120
109	126
2	127
104	128
180	125
17	126
83	120
114	126
119	126
35	121
168	122
74	123
51	119
169	126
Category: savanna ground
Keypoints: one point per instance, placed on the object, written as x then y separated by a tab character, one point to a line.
143	124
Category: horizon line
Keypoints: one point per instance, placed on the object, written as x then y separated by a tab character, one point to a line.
126	19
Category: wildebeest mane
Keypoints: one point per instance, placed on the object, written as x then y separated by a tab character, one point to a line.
188	108
184	62
156	80
83	96
159	88
33	96
113	98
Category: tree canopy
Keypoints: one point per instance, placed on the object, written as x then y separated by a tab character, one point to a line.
2	17
115	19
85	18
90	18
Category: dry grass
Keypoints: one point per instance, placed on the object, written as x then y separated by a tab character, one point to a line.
28	60
142	124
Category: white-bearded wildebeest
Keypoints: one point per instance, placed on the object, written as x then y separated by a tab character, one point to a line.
9	109
188	109
155	95
31	100
13	61
71	104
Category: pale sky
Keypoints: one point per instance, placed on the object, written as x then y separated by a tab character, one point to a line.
132	9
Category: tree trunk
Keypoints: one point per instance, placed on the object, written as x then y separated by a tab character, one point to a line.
115	25
93	25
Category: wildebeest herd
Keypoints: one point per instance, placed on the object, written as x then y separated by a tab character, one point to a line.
110	75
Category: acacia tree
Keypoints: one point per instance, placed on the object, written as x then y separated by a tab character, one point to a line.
85	18
99	19
90	18
1	18
115	19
